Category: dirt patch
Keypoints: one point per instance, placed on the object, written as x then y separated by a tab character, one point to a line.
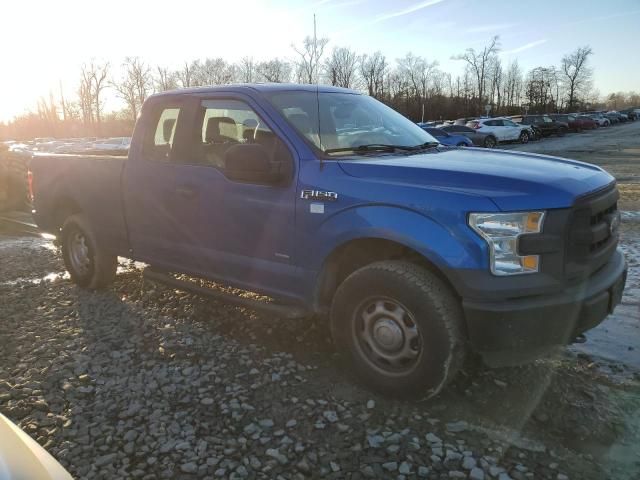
629	196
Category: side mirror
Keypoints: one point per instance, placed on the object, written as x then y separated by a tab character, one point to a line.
250	162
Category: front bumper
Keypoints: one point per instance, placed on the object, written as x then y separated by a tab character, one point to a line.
518	327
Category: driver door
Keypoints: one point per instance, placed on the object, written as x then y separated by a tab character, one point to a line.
245	229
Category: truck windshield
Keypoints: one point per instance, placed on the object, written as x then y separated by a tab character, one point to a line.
338	123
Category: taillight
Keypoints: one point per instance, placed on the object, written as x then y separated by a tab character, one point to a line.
30	184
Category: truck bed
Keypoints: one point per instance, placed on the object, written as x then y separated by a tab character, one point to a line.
90	184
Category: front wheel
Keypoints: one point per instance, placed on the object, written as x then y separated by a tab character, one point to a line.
461	144
400	326
89	264
524	137
562	132
490	142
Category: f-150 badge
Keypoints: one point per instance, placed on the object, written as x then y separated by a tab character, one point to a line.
319	195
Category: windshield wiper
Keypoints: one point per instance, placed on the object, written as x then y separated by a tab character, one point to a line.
382	147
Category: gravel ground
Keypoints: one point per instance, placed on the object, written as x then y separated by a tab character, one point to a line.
142	381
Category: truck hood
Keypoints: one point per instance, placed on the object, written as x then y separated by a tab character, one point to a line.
512	180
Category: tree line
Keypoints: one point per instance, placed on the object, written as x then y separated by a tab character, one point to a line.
414	85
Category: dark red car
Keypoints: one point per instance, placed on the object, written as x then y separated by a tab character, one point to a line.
588	123
576	123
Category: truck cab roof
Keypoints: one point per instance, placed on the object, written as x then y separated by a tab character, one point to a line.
256	87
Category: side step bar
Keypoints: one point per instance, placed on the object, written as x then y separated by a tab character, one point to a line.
284	311
19	225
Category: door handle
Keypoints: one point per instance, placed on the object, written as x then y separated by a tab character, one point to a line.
186	192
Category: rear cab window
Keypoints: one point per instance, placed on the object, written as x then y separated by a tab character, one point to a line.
159	139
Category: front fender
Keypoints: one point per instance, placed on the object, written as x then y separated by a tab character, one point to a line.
448	243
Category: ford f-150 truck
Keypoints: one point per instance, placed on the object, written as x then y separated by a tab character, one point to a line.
326	202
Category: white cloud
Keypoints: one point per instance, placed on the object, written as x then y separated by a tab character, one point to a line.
524	47
413	8
387	16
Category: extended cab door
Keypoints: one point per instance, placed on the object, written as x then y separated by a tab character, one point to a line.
158	213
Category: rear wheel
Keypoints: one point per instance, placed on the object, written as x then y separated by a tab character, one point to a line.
89	264
490	142
524	137
562	132
400	327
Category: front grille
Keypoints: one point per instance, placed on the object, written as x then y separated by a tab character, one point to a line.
601	220
591	238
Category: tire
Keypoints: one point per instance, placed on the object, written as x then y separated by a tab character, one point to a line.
89	264
399	299
524	137
461	144
562	132
490	142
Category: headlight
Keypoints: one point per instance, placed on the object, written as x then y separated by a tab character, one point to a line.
501	231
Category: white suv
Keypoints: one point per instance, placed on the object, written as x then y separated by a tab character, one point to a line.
600	119
504	129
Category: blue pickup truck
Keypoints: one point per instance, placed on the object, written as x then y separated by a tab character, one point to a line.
326	202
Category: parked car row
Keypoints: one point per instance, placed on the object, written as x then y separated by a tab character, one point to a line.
489	132
114	145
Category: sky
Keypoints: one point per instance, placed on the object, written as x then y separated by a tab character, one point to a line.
45	42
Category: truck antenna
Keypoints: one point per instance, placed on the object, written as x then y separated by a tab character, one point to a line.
316	78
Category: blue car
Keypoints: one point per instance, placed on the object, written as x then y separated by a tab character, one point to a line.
447	138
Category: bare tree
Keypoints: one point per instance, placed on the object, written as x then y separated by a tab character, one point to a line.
512	85
276	71
99	74
135	85
419	73
341	67
310	55
246	70
166	79
540	89
214	71
185	76
93	81
577	75
478	62
373	69
495	77
48	110
85	95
